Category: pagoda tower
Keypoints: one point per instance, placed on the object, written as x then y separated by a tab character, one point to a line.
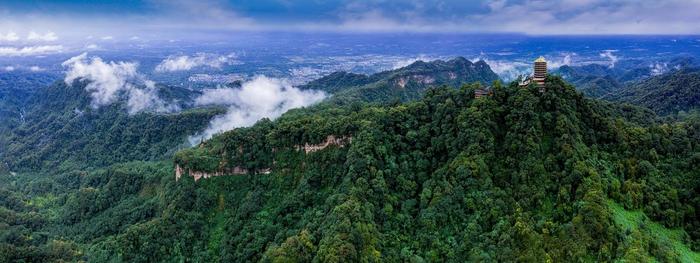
540	72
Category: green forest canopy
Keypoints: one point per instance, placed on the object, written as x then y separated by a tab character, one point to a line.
517	176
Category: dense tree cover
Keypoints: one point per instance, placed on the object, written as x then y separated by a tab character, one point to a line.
665	94
667	90
338	81
518	176
61	130
521	175
16	89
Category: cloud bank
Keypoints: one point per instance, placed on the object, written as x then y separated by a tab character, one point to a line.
29	50
182	19
184	63
9	37
609	54
261	97
48	37
110	81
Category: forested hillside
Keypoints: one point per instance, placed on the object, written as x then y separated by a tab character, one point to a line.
61	130
608	81
15	91
665	94
517	176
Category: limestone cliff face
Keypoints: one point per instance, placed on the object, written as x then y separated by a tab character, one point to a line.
179	171
331	140
423	79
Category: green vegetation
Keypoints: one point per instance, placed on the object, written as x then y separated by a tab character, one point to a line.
665	94
661	242
517	176
669	93
593	80
403	84
62	131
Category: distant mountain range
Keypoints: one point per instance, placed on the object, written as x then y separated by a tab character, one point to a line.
60	128
664	88
405	83
665	94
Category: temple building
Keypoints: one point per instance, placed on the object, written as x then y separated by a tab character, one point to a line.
539	74
481	92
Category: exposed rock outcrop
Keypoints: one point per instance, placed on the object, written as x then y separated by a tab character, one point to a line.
237	170
179	171
330	140
423	79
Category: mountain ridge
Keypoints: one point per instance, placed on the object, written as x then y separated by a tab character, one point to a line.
406	83
521	175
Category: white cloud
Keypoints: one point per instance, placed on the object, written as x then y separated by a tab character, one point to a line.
9	37
178	18
200	15
92	46
218	96
108	81
658	68
496	5
507	70
29	50
588	17
184	63
147	98
9	68
609	55
107	38
372	20
555	63
48	37
35	68
261	97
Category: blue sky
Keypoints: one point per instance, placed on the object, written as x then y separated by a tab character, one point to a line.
70	19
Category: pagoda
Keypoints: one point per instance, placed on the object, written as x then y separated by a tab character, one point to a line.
539	74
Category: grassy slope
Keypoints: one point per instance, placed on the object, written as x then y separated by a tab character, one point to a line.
637	221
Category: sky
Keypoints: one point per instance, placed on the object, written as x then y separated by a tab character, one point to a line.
35	20
83	32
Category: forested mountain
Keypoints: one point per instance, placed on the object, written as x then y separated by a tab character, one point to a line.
407	83
15	92
593	80
665	94
61	130
607	81
520	176
516	176
338	81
